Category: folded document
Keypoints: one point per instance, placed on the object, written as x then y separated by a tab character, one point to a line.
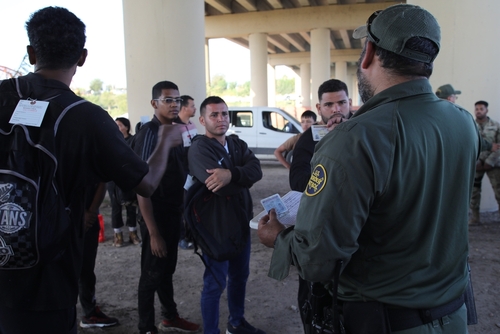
288	216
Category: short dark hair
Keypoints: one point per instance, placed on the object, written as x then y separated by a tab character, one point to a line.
156	92
309	114
210	100
185	100
57	37
138	126
332	86
124	121
484	103
403	66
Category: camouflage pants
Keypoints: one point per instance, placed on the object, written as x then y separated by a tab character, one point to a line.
494	176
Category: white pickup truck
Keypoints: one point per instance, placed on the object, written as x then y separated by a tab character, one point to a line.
262	128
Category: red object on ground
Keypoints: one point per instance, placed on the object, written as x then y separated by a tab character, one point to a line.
102	238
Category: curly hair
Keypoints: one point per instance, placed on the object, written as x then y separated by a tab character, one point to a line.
57	37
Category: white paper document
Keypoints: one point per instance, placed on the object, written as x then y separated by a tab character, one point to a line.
29	112
291	201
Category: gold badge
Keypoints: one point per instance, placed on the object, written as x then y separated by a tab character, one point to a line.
317	181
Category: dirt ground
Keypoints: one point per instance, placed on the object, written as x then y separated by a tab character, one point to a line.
270	305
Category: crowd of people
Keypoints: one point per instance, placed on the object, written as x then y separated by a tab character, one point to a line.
382	227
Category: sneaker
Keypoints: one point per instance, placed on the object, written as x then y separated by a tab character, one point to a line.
118	240
133	238
243	328
98	319
178	325
184	244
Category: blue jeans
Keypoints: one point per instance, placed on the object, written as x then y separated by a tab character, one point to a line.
233	272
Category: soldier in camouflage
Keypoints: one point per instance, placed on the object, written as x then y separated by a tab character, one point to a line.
488	162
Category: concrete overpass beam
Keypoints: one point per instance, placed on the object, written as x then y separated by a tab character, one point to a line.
320	58
258	69
305	84
341	71
154	30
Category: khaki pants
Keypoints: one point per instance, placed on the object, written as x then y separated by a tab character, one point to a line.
494	176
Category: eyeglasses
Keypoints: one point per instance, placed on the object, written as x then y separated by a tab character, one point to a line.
170	100
369	24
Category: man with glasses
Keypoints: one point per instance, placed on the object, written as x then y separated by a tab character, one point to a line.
161	219
386	206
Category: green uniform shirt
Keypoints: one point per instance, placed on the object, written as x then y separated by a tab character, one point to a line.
490	131
389	194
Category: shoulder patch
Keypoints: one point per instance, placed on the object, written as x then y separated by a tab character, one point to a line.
317	181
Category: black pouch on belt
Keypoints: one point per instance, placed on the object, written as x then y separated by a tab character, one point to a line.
366	318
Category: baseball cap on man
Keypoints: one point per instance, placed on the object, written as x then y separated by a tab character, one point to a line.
446	90
392	27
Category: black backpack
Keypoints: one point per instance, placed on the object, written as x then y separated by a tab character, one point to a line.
218	224
34	222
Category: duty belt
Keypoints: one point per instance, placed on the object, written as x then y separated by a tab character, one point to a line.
404	318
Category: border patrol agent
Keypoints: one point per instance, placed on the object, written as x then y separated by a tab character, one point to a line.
383	196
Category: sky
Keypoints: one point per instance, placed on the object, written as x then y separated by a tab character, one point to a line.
105	42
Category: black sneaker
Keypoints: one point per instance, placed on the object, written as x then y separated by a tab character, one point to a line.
98	319
243	328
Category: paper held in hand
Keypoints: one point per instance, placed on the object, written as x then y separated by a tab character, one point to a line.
288	216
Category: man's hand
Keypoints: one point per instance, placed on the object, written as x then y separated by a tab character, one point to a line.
171	133
495	147
269	228
218	179
334	121
90	219
158	246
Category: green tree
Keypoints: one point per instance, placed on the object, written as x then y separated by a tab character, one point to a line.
285	86
218	85
114	104
96	86
243	90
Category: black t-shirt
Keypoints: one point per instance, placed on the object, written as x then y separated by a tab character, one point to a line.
89	149
300	169
170	193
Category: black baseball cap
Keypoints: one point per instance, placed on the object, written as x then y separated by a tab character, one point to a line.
392	27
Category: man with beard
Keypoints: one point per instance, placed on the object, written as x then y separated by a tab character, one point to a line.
334	103
383	206
488	161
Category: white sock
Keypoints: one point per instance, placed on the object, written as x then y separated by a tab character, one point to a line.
118	230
